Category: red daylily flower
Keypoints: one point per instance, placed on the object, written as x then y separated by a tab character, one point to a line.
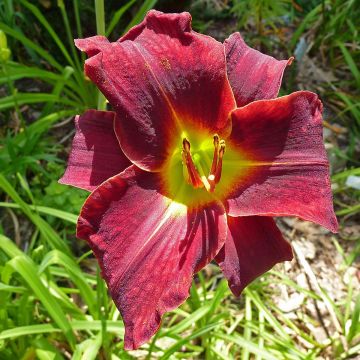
192	165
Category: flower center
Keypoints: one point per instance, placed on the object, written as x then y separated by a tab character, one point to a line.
198	171
194	170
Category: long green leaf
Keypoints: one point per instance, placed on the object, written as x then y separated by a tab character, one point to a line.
27	269
350	62
196	334
115	327
88	349
45	210
68	71
16	71
57	257
37	13
28	43
10	101
245	344
46	230
355	321
184	324
117	16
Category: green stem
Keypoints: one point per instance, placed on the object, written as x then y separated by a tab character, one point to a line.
100	17
78	74
77	19
78	25
102	302
69	34
100	29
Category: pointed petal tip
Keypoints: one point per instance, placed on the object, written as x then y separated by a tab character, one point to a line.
252	74
290	60
64	181
77	43
157	21
238	289
235	35
92	45
333	224
183	19
253	246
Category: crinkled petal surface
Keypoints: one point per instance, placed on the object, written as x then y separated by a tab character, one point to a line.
96	154
148	247
253	246
163	79
252	74
288	173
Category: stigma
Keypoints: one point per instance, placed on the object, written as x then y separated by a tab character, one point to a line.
193	169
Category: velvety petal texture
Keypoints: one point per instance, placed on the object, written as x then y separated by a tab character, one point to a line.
96	154
253	246
163	80
252	74
289	171
148	247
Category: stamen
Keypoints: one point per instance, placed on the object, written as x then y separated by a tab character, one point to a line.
216	166
215	158
194	176
219	165
185	171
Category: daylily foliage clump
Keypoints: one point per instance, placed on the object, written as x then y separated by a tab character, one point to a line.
191	165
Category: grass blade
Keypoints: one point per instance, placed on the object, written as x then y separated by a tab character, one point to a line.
46	230
28	271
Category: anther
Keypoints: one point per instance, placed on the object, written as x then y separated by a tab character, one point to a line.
186	144
216	140
185	171
215	157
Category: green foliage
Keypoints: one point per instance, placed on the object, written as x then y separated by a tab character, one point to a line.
335	28
261	13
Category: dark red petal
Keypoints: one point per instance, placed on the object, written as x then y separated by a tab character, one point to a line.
148	247
95	155
252	74
92	45
289	172
253	246
162	79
